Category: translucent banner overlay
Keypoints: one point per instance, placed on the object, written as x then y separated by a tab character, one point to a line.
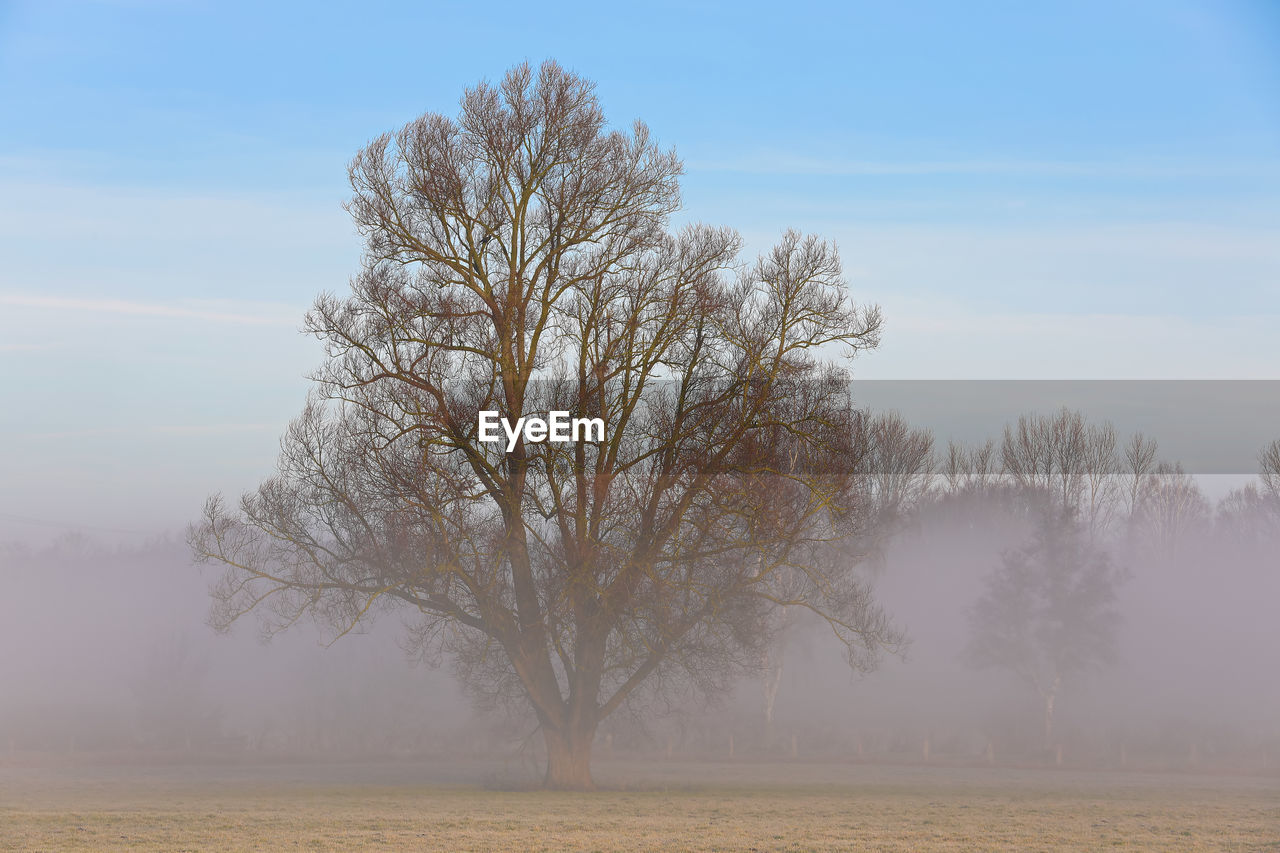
1210	426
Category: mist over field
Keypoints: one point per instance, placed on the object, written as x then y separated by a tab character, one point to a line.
106	655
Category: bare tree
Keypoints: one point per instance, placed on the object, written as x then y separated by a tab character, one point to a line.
899	468
1251	513
1068	458
1170	507
896	476
1102	487
970	469
1269	470
1047	453
1047	612
1246	516
518	260
1140	460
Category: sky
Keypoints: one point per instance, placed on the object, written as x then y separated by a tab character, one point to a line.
1080	190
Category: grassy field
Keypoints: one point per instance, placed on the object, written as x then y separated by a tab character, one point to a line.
417	806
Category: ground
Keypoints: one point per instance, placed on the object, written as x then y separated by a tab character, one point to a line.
666	806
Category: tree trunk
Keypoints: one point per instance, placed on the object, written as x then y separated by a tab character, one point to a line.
569	758
772	681
771	672
1049	699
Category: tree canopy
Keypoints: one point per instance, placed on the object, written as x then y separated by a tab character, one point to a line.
519	258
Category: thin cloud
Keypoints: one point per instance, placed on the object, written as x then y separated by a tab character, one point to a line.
769	164
256	316
24	347
156	429
940	339
213	429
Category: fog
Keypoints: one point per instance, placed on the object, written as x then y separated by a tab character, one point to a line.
106	648
1197	653
106	653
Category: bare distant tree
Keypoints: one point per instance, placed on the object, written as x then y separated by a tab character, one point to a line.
1251	513
518	260
899	468
1047	613
1269	470
1247	516
1048	453
1102	488
1067	457
1170	507
969	469
1140	461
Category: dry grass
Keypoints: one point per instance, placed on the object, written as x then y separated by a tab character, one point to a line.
727	807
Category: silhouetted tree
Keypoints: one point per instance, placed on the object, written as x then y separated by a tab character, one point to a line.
1269	470
1171	507
1068	458
899	468
1047	613
1251	514
967	470
1246	516
518	259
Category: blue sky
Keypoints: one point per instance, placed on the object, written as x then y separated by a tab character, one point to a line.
1058	190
